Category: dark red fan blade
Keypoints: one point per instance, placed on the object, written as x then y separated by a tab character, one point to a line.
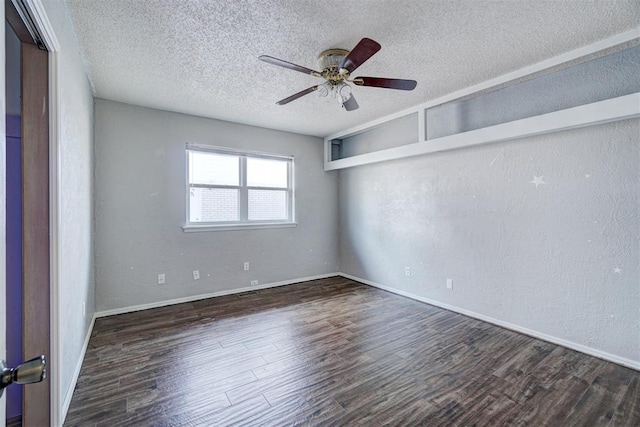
297	95
285	64
363	51
386	83
350	104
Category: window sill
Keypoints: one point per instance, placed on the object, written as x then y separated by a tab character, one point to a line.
192	228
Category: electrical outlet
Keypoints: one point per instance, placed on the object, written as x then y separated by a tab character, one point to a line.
161	279
407	271
196	274
254	283
449	284
246	266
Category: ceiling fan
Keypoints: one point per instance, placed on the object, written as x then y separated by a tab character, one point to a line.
337	66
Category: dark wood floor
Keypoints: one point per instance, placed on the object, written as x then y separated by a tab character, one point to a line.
335	352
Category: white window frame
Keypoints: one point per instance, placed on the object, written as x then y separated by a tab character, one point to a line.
243	223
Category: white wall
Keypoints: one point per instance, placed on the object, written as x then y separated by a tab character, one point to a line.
140	209
76	265
542	258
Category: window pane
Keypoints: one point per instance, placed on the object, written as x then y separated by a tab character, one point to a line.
213	204
268	205
267	172
212	168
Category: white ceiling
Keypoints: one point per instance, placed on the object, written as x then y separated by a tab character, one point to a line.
201	57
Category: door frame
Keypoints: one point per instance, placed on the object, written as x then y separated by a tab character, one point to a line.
41	22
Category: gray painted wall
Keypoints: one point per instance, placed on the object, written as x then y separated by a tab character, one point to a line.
140	209
561	258
76	273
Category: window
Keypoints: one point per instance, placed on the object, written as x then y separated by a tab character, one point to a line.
235	188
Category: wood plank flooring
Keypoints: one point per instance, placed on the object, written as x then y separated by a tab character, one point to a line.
336	352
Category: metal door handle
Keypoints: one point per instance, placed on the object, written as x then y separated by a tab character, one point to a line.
31	371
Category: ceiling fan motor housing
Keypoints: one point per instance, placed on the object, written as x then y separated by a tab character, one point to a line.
329	62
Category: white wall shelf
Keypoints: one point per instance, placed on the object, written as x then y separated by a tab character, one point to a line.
589	114
610	110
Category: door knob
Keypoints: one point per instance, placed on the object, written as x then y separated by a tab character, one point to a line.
31	371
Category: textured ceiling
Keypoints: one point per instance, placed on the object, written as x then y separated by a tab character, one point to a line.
201	57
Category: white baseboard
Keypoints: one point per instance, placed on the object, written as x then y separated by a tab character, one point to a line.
210	295
76	373
559	341
535	334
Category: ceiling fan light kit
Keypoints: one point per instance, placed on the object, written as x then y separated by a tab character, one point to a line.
329	62
337	66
